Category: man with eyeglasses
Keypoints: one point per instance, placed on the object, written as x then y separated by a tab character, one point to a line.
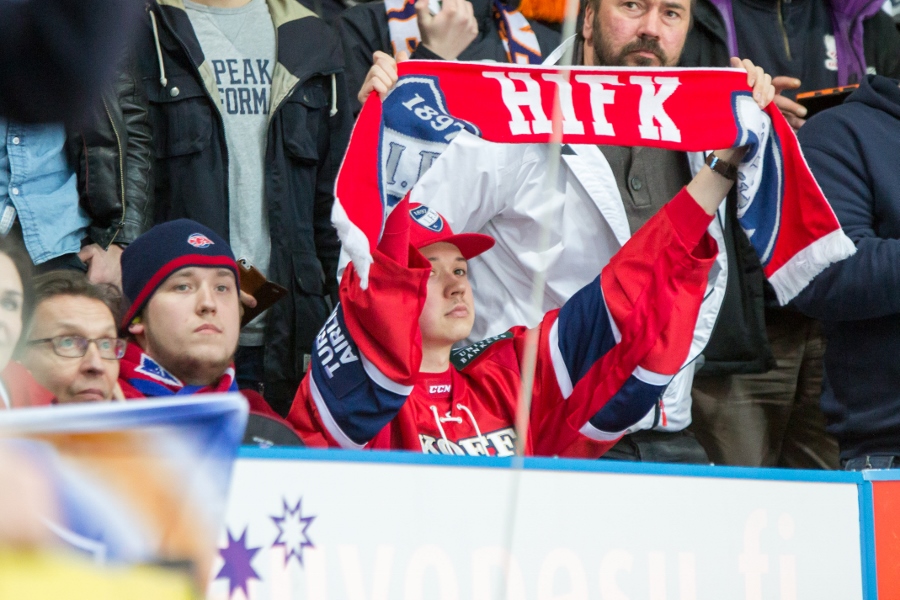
72	347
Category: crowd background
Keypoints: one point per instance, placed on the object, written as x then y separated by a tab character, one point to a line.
227	120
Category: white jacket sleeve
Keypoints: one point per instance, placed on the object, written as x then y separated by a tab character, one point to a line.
471	182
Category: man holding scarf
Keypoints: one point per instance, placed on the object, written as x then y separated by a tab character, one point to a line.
602	196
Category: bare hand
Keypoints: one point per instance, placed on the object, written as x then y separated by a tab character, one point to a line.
794	113
381	76
104	266
450	31
759	80
247	300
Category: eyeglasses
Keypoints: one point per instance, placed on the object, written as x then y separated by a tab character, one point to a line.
75	346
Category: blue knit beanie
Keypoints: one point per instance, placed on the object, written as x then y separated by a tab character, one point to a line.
149	260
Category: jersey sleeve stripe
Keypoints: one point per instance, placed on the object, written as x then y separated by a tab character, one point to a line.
597	435
617	335
355	400
585	331
649	377
381	380
563	380
628	406
328	421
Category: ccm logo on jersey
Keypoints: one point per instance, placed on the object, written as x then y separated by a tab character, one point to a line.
198	240
439	389
503	441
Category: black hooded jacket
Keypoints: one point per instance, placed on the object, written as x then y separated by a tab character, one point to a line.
309	125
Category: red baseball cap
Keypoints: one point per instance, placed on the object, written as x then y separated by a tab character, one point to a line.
429	227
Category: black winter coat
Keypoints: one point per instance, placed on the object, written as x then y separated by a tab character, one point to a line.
309	125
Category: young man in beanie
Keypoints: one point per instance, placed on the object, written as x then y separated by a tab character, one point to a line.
183	322
184	317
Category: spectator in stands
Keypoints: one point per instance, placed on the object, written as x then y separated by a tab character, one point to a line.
809	44
75	202
384	376
756	399
184	318
852	150
72	348
17	387
591	217
448	30
248	120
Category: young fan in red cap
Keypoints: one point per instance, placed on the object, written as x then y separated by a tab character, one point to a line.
384	374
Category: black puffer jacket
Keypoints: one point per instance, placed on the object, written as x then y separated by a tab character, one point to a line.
309	125
112	158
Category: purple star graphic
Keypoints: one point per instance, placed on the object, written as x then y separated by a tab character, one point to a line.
292	536
237	568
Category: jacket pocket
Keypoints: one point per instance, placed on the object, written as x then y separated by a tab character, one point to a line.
312	306
301	115
181	116
308	275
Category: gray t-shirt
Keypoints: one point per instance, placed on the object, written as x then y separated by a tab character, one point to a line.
239	44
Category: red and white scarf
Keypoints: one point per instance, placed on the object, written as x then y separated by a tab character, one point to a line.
781	207
150	379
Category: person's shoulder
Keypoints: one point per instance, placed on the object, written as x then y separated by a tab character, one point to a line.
499	349
290	16
548	38
24	391
876	102
365	13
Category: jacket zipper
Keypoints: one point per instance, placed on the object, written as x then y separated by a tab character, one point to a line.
121	174
784	35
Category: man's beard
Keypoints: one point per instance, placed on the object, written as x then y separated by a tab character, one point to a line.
605	56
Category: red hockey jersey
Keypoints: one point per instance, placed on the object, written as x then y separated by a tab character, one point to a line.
603	359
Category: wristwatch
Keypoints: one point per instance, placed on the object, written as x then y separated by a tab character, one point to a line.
725	169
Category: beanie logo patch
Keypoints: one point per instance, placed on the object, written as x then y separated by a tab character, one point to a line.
427	218
198	240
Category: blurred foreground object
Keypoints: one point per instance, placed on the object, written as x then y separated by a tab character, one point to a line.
122	484
28	574
56	55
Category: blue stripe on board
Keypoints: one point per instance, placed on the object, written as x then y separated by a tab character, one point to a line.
550	464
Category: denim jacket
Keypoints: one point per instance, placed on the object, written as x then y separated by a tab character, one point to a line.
38	186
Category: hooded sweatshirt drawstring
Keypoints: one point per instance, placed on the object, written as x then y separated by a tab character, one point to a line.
162	68
333	96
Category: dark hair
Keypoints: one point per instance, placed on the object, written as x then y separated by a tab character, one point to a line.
583	4
75	283
13	248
